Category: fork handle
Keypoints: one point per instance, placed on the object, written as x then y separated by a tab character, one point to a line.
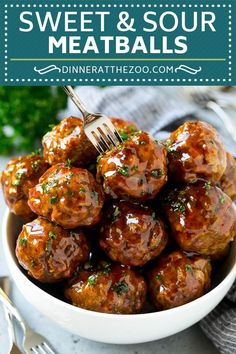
4	299
77	101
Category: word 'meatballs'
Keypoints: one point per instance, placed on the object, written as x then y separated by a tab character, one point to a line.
132	234
48	252
178	279
68	196
136	170
202	218
196	152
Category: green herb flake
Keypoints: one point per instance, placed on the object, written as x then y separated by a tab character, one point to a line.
82	190
124	171
158	277
207	185
32	263
16	183
157	173
52	235
121	287
92	279
35	153
154	216
51	126
54	199
23	241
142	142
188	268
68	163
48	246
48	185
222	199
115	214
106	268
99	158
178	206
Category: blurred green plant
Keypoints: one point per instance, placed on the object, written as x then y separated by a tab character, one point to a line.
25	116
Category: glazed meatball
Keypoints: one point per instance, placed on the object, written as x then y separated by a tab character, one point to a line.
68	196
67	140
132	234
110	289
136	170
178	279
228	180
202	218
48	252
20	175
124	127
196	152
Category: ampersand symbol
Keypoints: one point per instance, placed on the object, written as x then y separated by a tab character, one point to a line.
122	25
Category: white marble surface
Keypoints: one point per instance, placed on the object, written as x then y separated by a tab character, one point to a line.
190	341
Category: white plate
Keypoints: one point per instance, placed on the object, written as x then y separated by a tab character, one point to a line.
108	328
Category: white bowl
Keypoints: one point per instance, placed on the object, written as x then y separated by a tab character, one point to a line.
108	328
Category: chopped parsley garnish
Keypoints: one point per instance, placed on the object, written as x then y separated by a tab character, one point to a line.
178	206
158	277
121	287
51	126
16	182
48	246
157	173
154	216
23	241
68	163
106	267
92	279
48	185
124	136
115	214
35	153
222	199
19	174
142	142
124	171
82	190
188	268
52	235
207	185
95	196
54	199
99	157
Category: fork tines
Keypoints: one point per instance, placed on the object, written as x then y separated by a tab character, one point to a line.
102	134
42	348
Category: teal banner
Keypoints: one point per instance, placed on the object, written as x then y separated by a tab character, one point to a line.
118	42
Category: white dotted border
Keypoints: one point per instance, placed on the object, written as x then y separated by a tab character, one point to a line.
110	80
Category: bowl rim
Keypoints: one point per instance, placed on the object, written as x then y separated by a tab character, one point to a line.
130	317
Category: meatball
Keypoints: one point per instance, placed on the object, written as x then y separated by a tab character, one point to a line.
202	218
136	170
124	127
20	175
67	141
228	180
67	195
178	279
132	234
48	252
196	152
110	289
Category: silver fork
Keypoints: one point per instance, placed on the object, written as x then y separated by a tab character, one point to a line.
206	100
97	127
32	342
